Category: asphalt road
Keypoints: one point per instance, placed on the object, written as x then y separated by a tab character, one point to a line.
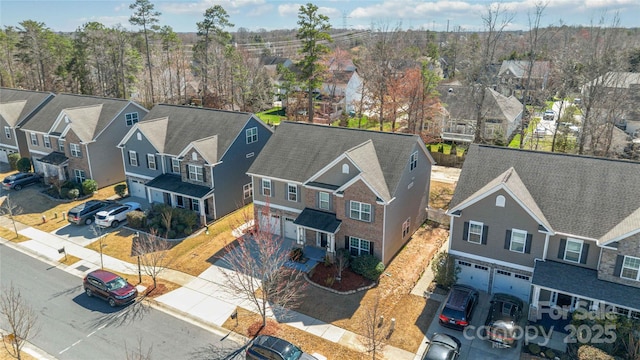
71	325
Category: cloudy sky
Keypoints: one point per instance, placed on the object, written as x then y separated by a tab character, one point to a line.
182	15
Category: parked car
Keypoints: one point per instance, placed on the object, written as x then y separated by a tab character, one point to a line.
115	215
549	115
110	287
504	319
265	347
85	212
442	347
20	180
458	309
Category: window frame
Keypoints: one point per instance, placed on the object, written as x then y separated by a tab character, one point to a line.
320	201
34	139
360	211
75	150
151	159
133	158
194	173
359	247
79	174
293	198
626	267
513	241
413	161
251	135
131	118
175	168
566	250
61	145
195	205
7	132
470	233
406	227
247	190
264	188
46	140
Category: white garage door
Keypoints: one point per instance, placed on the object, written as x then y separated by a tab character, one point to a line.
512	284
289	228
274	226
473	275
136	188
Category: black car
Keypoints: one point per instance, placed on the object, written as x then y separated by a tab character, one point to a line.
84	213
442	347
504	320
20	180
458	309
265	347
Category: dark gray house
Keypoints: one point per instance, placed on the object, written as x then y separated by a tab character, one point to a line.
194	158
17	107
556	230
330	187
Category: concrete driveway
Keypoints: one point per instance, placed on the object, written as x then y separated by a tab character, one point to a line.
474	348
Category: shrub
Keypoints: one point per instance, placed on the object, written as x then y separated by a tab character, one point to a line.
550	353
368	266
13	160
296	254
73	194
588	352
120	190
136	219
89	187
534	349
24	165
445	272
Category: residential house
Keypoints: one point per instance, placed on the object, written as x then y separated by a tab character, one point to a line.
74	137
514	76
331	187
16	107
502	115
194	158
344	87
556	230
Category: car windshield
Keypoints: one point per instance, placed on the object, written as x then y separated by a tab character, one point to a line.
9	179
292	353
116	284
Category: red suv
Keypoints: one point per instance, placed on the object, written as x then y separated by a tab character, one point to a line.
109	286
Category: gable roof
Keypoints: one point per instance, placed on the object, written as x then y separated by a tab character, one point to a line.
578	195
298	151
16	105
460	103
89	115
519	68
173	128
616	79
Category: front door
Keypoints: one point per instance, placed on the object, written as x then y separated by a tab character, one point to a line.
321	239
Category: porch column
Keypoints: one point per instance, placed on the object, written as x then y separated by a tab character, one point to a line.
595	306
535	296
301	235
332	243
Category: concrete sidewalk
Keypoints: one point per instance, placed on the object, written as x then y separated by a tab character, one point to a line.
203	299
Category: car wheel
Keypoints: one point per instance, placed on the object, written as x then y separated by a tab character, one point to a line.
88	221
88	292
115	224
112	302
17	187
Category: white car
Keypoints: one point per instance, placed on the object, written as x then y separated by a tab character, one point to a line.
115	215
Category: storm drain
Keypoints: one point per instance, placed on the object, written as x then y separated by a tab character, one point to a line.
82	268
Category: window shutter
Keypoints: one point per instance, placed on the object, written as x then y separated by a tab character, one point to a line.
373	213
318	200
563	245
186	171
465	233
371	247
527	245
507	240
346	242
347	212
618	269
585	252
204	174
485	234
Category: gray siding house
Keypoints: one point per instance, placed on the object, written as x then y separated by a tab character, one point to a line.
16	107
194	158
556	230
75	137
330	187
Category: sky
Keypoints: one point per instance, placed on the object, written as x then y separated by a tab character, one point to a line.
442	15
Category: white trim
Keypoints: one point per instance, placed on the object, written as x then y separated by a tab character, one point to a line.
384	231
491	261
275	206
472	222
333	163
632	269
621	237
564	256
136	175
576	236
275	178
353	181
86	149
140	118
524	244
582	297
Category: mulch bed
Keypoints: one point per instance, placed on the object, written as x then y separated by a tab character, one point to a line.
325	276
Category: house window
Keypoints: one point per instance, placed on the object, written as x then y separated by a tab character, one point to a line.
196	173
7	132
133	158
475	232
175	166
139	136
46	141
631	268
292	192
247	190
34	139
266	187
79	176
195	205
360	211
151	161
413	161
573	250
131	118
180	201
359	247
252	135
75	150
405	228
194	156
61	145
518	240
345	168
323	200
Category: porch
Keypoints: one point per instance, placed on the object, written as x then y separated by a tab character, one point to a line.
312	255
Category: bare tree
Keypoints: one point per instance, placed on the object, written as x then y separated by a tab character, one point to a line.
166	214
20	318
154	255
376	329
11	209
342	262
257	270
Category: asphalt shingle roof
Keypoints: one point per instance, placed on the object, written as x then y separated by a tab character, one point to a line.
318	220
579	195
460	103
16	105
297	151
173	183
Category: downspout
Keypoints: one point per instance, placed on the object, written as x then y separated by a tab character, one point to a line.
86	150
450	233
384	230
546	247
